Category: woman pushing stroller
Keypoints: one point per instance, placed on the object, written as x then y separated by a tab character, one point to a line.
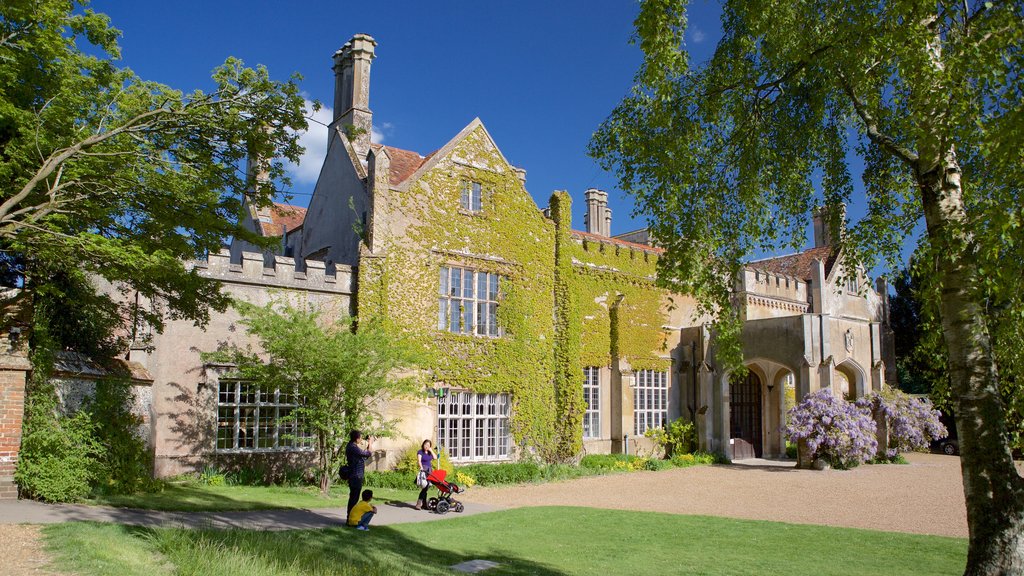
426	457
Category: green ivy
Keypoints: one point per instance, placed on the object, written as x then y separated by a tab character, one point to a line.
539	358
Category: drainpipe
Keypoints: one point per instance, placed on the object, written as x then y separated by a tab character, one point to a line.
625	444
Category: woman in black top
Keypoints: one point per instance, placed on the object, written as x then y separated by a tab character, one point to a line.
356	457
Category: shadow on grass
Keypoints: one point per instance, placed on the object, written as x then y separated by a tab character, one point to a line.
340	551
184	498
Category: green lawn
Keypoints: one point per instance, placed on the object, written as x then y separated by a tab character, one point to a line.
543	541
196	497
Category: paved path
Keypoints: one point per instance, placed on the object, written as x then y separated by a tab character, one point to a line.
29	512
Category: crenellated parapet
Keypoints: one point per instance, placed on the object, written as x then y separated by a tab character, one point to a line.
772	290
271	270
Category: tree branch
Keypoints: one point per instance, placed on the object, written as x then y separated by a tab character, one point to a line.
887	142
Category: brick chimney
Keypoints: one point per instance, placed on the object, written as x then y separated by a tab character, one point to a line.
598	219
352	91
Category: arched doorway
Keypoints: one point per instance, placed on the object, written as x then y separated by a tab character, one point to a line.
849	381
745	416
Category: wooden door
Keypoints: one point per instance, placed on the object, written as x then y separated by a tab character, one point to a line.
745	416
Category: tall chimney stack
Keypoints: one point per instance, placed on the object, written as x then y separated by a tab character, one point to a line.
352	112
598	218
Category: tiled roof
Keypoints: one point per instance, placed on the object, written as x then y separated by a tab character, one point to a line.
403	163
290	216
799	265
598	238
77	365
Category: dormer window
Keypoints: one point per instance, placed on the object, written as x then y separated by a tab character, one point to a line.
472	193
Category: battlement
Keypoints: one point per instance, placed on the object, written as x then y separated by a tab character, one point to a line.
762	285
276	271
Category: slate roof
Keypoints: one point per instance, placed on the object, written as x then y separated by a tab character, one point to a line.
799	265
290	216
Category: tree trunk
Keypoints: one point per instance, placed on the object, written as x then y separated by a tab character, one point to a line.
993	490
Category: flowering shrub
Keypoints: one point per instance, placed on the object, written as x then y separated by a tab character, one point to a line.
841	433
912	422
464	480
679	437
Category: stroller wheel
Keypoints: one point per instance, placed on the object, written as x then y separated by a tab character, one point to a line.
432	504
442	506
458	507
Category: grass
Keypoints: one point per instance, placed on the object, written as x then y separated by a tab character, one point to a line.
545	541
193	497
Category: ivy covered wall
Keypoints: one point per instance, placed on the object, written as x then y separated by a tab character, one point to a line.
555	290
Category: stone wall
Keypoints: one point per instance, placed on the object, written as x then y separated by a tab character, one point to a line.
184	394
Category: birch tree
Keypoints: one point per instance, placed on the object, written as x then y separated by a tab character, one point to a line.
725	158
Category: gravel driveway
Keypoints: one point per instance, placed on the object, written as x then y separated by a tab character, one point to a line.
924	497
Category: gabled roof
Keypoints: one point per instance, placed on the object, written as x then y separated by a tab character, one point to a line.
404	163
282	214
431	160
799	265
598	238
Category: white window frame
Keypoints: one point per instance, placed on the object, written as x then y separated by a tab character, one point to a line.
468	302
241	402
474	427
472	199
592	396
650	400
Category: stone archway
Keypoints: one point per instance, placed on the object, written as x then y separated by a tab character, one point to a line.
849	380
745	416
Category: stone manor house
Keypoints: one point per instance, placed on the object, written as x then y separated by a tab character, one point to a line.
451	247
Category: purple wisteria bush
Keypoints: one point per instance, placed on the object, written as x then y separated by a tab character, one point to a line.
912	422
836	431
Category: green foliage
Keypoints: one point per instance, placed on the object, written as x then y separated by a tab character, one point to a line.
60	457
605	461
65	457
696	459
503	473
343	376
539	358
127	460
679	437
568	377
405	480
791	450
520	361
443	462
212	476
409	462
728	159
104	172
886	459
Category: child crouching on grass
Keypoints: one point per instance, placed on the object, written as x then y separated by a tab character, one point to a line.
362	512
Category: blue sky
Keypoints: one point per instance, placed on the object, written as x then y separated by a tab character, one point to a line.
541	75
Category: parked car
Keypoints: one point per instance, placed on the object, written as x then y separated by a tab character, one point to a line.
950	446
